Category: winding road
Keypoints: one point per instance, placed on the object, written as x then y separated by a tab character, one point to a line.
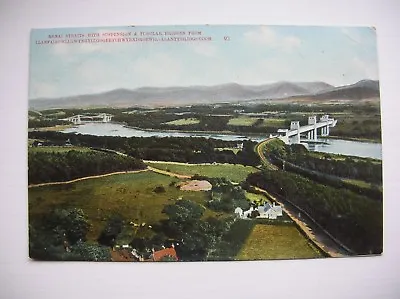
259	149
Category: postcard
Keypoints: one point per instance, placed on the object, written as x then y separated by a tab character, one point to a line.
204	143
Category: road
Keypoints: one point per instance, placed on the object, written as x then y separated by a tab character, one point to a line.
168	173
259	148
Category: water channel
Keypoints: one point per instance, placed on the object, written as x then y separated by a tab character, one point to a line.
336	146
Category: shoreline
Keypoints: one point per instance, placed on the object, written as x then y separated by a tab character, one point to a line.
244	135
365	140
187	131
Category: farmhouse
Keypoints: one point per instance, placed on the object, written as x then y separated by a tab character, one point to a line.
269	212
266	211
164	253
126	253
239	212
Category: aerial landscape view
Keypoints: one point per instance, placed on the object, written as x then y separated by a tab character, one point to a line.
204	143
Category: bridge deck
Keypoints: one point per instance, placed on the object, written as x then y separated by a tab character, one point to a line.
308	128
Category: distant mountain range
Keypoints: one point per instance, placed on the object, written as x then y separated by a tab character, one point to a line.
231	93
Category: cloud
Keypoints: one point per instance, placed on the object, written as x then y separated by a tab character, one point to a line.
291	42
42	89
204	48
369	70
158	70
265	36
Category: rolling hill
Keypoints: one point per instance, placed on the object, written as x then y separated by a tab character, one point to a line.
230	92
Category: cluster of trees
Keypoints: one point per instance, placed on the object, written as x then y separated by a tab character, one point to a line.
353	168
353	219
207	122
368	127
371	191
364	169
111	231
225	197
63	166
41	123
196	238
199	237
61	235
193	150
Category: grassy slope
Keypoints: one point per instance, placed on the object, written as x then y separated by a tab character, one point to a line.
242	121
183	122
126	194
58	149
235	173
258	198
276	242
273	122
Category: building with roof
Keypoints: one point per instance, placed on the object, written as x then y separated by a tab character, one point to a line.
266	210
166	253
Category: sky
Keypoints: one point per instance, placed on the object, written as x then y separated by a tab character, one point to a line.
250	55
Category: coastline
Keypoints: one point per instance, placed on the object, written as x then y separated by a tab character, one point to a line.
189	131
366	140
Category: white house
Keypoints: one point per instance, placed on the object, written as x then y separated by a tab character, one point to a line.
270	212
239	212
247	214
267	211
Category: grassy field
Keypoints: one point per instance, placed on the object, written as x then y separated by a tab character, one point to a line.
242	121
54	128
233	149
130	195
183	122
273	122
257	198
58	149
276	242
235	173
362	184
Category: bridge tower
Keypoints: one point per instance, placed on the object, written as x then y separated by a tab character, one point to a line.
312	121
76	119
325	129
295	125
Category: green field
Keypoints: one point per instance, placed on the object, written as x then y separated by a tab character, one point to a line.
257	198
234	173
233	149
58	149
242	121
273	122
130	195
362	184
183	122
276	242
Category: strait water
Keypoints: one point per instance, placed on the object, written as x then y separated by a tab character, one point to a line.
336	146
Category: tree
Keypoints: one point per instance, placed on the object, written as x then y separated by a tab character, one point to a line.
70	224
89	252
159	189
184	211
111	231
